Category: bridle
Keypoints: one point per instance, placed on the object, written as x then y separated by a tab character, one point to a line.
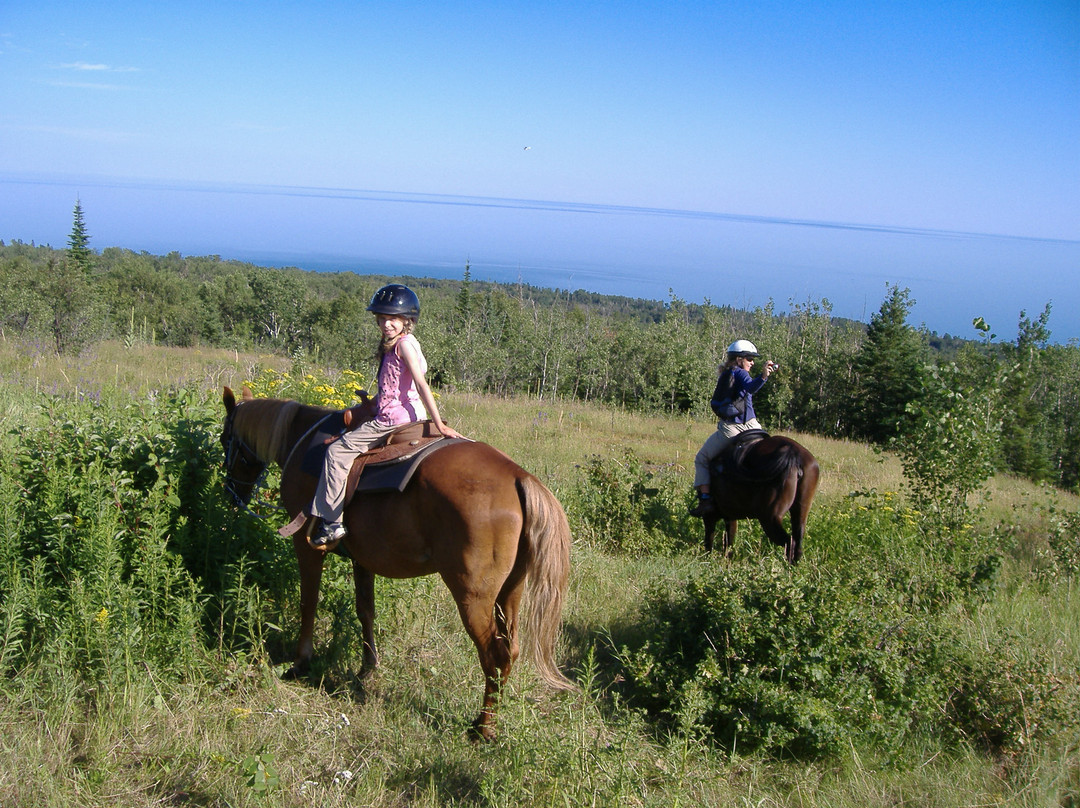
238	451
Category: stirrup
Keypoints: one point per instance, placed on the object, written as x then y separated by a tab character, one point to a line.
328	536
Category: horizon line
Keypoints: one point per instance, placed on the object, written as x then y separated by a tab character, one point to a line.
510	203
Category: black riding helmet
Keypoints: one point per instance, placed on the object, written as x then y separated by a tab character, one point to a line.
395	299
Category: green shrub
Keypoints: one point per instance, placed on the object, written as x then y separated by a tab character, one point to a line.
875	641
119	549
624	506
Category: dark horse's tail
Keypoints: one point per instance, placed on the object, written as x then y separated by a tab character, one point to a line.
547	537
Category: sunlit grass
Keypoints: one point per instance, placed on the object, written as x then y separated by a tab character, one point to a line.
399	737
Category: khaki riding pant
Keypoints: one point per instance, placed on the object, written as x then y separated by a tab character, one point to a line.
330	495
715	444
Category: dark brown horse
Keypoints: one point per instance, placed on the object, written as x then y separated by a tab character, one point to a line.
776	476
469	513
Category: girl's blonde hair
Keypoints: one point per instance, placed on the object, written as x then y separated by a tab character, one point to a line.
383	347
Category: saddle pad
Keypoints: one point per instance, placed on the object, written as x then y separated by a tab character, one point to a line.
391	475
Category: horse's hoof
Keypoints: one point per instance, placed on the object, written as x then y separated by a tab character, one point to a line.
296	671
482	732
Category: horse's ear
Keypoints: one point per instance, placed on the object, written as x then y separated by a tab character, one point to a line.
229	400
246	393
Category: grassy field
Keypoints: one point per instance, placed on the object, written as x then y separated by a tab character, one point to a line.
233	733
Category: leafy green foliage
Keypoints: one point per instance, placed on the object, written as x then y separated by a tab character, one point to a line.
261	772
1023	443
112	556
875	644
949	452
626	507
838	378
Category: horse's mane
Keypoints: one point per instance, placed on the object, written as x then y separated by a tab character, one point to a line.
265	424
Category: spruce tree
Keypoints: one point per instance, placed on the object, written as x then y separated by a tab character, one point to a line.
73	300
79	252
889	370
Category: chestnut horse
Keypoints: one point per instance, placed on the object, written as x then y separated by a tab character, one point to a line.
776	476
469	513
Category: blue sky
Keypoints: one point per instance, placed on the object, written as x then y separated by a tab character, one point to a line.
730	151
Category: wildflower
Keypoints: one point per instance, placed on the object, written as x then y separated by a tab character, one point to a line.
241	712
101	616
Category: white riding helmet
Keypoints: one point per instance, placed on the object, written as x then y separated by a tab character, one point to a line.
742	347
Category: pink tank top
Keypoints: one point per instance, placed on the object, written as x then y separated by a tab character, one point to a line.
398	400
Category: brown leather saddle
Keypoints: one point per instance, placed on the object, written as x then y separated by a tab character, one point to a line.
390	465
387	467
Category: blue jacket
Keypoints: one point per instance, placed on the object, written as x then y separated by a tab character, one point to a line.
745	387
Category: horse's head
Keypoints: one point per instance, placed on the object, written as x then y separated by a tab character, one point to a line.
243	467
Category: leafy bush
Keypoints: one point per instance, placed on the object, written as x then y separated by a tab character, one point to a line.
875	640
624	506
1063	544
118	548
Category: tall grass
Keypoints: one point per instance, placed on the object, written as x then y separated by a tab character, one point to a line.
144	623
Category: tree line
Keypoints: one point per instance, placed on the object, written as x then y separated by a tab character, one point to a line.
876	382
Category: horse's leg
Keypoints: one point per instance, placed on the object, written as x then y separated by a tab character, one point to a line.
798	514
507	605
311	568
800	508
365	612
773	525
477	610
710	531
730	529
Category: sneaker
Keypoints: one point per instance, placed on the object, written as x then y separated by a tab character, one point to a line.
705	507
329	533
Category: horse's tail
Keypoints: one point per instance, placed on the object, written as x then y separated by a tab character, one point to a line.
547	534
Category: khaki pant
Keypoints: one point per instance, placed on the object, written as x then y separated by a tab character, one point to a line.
715	444
330	495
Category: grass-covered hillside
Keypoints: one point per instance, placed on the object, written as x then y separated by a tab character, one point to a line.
145	623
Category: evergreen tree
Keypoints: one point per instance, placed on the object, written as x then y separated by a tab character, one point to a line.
889	370
72	299
79	251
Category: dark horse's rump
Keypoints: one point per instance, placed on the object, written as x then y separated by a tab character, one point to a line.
745	460
490	529
765	478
